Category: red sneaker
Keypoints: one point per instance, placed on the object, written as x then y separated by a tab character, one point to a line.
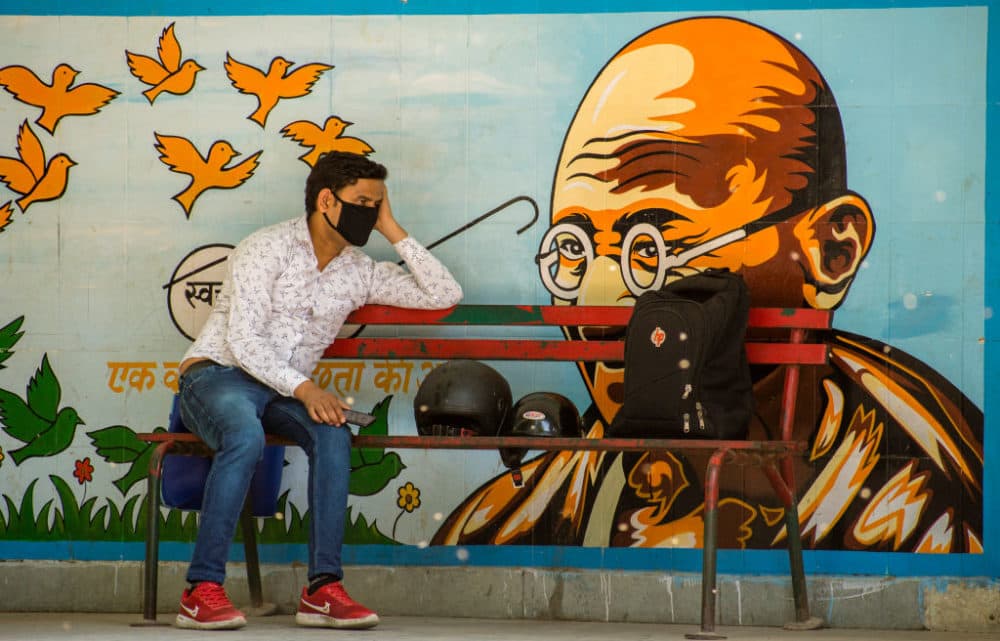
207	607
331	607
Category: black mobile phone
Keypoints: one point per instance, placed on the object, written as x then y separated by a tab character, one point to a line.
358	418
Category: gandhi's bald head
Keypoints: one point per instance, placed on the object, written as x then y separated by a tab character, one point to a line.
686	101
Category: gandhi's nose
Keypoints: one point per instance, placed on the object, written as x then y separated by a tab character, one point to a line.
602	284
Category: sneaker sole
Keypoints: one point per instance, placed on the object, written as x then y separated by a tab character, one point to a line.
226	624
323	621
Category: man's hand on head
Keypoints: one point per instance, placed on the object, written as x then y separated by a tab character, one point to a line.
323	407
386	223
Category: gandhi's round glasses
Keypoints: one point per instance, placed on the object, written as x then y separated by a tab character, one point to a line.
567	252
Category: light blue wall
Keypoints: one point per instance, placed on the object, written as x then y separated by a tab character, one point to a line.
917	87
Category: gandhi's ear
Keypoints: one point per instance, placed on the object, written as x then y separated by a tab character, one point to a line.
833	239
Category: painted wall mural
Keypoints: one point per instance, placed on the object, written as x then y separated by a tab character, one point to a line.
681	140
664	143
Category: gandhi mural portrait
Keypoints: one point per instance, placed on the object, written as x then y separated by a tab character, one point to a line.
717	141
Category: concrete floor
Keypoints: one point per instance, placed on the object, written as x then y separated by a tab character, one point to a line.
119	627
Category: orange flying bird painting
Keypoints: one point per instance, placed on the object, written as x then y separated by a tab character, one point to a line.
276	84
30	174
208	172
325	139
58	98
168	74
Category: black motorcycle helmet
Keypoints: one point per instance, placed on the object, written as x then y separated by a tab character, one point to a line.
542	414
460	398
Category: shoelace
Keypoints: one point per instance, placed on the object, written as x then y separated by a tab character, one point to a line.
213	595
337	591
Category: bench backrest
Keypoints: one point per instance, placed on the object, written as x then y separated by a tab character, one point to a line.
790	348
788	340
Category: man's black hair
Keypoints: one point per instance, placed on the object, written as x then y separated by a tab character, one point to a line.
338	169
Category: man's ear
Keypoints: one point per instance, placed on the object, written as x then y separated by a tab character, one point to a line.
325	200
833	239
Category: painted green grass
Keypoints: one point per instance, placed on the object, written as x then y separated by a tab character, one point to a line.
71	521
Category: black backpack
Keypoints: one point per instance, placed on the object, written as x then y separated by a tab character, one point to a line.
686	370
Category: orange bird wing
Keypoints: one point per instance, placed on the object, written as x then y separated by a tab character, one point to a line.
88	98
300	82
238	174
352	145
169	49
302	131
24	85
16	175
244	77
149	71
5	212
179	154
21	175
30	150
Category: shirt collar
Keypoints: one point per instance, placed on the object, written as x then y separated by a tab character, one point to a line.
300	231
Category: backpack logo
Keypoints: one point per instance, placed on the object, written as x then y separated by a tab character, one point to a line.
658	336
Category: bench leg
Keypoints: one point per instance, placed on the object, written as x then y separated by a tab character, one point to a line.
150	567
257	605
800	593
709	587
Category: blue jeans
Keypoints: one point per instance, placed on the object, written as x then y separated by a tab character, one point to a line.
231	411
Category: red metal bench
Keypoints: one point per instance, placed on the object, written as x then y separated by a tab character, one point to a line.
788	343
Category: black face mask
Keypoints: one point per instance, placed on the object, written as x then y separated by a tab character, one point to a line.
356	222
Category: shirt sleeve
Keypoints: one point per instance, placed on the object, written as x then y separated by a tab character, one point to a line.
253	269
427	285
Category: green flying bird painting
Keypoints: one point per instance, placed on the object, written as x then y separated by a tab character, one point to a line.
37	420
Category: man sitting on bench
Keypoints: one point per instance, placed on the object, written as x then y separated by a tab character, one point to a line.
288	289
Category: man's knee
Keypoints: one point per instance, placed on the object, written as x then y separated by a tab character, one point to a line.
332	444
247	444
336	436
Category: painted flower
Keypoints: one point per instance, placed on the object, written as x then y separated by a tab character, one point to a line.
84	471
409	497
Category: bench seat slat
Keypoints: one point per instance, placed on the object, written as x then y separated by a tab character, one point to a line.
525	442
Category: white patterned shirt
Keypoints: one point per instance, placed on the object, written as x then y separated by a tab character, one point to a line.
277	313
